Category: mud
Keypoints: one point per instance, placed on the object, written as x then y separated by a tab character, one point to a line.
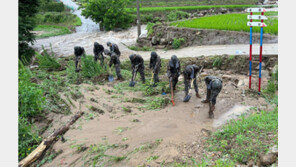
174	133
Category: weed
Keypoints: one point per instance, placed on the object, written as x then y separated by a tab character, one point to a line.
119	130
95	109
89	116
47	61
177	15
79	147
217	62
152	158
177	42
124	139
156	103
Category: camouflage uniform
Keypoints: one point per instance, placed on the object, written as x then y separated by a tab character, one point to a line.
107	52
115	60
78	52
138	65
113	48
98	52
214	86
155	64
190	73
173	70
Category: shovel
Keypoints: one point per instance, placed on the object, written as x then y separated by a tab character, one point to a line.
132	82
172	92
110	77
187	98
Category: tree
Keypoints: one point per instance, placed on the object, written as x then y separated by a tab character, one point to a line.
26	20
109	13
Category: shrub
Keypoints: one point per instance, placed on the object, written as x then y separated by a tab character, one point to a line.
51	6
28	138
177	42
47	61
109	13
30	95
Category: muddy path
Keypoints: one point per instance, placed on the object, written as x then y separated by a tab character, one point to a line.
119	132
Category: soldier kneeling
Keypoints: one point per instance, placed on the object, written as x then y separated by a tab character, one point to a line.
115	60
214	86
78	52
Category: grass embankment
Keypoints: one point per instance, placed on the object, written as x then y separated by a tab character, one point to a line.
55	19
231	22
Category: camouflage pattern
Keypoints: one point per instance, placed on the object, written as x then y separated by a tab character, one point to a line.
174	70
155	65
115	60
214	86
137	63
190	73
114	48
98	52
78	52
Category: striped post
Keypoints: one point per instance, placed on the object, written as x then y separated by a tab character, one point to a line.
250	61
260	64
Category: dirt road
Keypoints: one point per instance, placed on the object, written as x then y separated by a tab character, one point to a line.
63	45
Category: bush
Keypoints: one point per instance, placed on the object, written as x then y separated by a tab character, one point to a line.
51	6
109	13
47	61
217	62
28	139
177	15
178	42
30	96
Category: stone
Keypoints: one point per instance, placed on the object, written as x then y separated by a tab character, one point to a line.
160	46
268	159
154	40
226	77
274	150
163	41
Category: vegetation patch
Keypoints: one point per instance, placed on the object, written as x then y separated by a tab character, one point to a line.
231	22
50	30
177	42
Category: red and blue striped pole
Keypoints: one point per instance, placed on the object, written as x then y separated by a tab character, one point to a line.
260	64
250	61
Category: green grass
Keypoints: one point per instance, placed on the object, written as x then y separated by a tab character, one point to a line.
184	8
232	22
51	30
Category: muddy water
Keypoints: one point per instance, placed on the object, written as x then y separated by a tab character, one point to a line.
87	24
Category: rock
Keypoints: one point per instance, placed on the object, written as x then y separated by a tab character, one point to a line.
226	77
163	41
160	46
274	150
265	74
206	132
143	42
154	40
268	159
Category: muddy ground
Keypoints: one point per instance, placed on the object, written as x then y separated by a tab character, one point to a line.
115	131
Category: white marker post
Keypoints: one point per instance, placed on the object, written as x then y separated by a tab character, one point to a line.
259	24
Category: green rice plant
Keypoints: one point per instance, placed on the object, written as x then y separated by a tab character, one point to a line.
184	8
230	22
177	42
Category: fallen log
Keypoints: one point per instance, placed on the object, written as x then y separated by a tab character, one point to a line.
48	141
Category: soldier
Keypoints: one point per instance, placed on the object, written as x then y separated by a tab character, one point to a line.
155	64
78	52
113	48
98	52
137	65
190	73
174	70
214	86
115	60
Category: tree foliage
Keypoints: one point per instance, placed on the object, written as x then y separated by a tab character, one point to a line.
27	11
109	13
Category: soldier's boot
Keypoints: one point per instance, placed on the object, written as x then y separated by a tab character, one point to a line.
211	111
205	101
197	95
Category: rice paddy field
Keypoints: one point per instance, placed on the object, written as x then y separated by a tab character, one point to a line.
231	22
185	8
